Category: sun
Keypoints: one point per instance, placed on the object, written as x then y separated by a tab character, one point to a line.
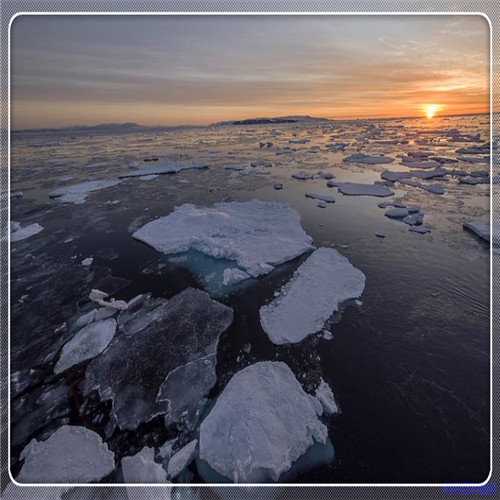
430	110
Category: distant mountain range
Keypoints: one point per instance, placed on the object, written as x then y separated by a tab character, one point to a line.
272	120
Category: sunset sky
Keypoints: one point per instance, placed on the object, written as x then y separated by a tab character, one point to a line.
172	70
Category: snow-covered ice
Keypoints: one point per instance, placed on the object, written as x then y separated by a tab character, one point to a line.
257	235
78	193
18	233
480	227
260	425
316	290
182	458
72	454
142	469
325	396
88	343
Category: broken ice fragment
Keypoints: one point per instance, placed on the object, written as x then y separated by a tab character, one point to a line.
164	168
316	290
363	158
142	469
356	189
181	459
78	193
327	198
98	296
480	227
18	233
325	396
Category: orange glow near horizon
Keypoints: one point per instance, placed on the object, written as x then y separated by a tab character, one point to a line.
431	110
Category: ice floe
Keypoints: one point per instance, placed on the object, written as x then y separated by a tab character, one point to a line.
142	469
327	198
480	227
168	366
72	454
356	189
100	297
18	233
257	235
182	458
369	159
325	396
78	193
316	290
260	425
89	342
164	168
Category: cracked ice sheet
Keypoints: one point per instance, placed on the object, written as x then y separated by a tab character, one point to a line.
185	330
260	425
78	193
314	293
257	235
71	455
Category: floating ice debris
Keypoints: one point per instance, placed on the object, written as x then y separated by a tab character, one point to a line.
395	204
278	186
78	193
325	175
432	188
164	168
234	275
363	158
327	198
71	455
88	343
87	262
472	159
257	235
355	189
18	233
181	459
254	171
44	144
380	234
235	167
316	290
303	176
417	163
476	150
322	204
414	219
419	229
480	227
98	296
396	213
420	174
325	396
261	423
142	469
330	184
261	163
148	177
299	141
474	180
170	364
247	348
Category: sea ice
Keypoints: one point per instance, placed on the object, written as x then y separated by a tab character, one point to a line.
327	198
396	213
260	425
78	193
89	342
72	454
479	227
234	275
355	189
181	459
87	262
302	176
164	168
369	159
142	469
324	281
257	235
325	396
419	229
18	233
99	297
185	330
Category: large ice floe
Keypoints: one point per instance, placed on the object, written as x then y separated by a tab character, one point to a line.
314	293
260	425
164	168
78	193
256	235
163	362
71	455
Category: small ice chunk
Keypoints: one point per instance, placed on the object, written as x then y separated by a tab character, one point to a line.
87	262
260	425
371	160
99	297
148	177
419	229
303	176
396	213
89	342
380	234
316	290
327	198
180	460
480	227
325	396
18	233
278	186
321	204
164	168
142	469
71	455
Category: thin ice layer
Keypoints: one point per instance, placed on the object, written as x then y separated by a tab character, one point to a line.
309	299
78	193
260	425
257	235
